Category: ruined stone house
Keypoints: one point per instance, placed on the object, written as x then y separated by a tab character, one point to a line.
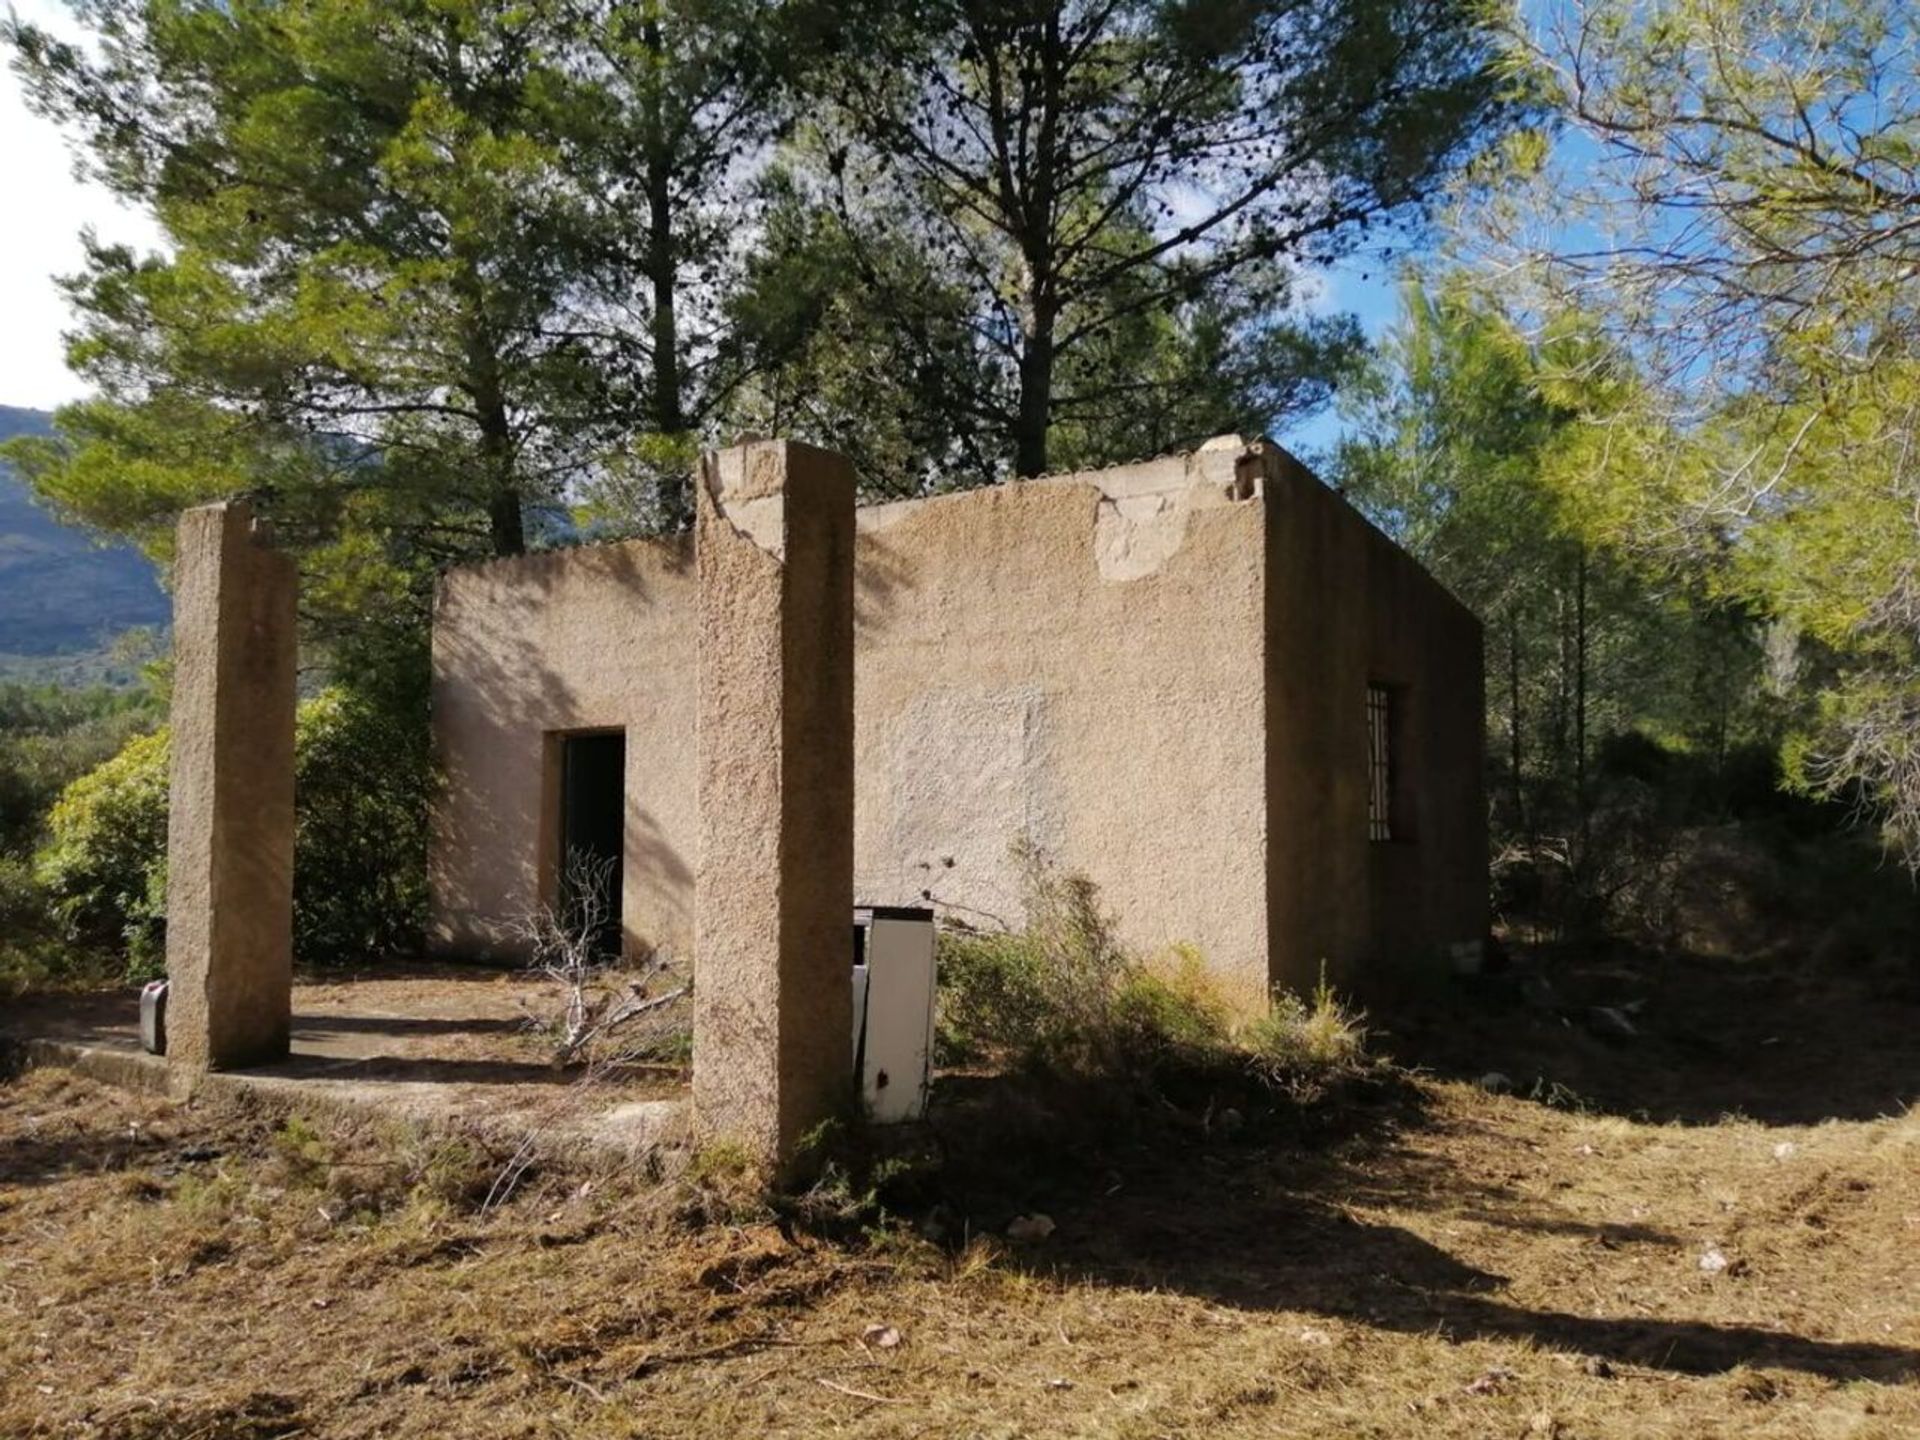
1205	681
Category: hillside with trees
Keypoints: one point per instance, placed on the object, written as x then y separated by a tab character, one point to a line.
62	591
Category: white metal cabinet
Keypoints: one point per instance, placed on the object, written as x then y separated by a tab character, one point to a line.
893	986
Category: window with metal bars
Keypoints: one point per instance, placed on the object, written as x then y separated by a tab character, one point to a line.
1380	776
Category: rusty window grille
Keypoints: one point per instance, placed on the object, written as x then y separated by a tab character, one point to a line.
1380	775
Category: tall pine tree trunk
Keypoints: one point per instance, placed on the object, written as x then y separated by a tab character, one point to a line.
666	403
1036	400
1582	799
1514	743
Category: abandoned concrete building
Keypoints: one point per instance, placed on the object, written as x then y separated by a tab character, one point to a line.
1204	681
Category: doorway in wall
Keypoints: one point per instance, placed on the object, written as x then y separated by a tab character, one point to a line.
593	811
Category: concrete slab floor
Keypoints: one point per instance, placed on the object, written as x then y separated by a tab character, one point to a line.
439	1045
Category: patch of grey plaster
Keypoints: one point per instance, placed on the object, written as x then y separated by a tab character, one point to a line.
972	772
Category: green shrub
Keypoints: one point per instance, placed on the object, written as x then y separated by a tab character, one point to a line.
27	953
362	787
302	1152
992	995
1044	997
1305	1037
362	783
104	869
1174	1014
1065	997
50	736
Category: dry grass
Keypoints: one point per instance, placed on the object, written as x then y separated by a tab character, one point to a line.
1415	1258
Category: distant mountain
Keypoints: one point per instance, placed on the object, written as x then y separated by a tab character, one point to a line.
62	592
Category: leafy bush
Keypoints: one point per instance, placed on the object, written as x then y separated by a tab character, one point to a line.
1045	996
1064	996
105	868
49	736
1174	1013
362	784
27	953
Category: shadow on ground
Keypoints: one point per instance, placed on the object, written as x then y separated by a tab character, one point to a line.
1267	1221
1674	1037
427	1024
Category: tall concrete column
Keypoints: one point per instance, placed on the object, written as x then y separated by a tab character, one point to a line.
230	825
773	890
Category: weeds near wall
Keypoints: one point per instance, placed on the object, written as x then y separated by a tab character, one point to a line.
1064	996
1301	1040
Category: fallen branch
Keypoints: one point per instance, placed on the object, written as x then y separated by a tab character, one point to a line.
856	1394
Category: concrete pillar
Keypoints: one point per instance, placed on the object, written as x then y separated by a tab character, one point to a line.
230	825
773	890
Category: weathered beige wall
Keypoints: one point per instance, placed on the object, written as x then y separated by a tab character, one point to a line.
567	640
1156	672
1076	661
1346	609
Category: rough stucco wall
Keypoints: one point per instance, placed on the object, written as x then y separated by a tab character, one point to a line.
1346	609
230	822
597	637
1105	663
1076	660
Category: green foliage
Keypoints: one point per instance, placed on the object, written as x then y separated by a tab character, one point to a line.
362	785
1044	996
303	1153
377	1172
1313	1036
1105	184
104	867
1063	997
1465	437
362	789
28	960
1751	165
49	735
1173	1015
376	224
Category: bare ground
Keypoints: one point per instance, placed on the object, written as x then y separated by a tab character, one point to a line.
1414	1256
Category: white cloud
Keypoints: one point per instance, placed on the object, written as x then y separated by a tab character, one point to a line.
46	208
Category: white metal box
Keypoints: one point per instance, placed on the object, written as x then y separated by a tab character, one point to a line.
893	988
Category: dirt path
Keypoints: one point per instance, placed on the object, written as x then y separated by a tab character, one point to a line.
1460	1265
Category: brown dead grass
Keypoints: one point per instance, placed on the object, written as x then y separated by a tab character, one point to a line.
1426	1260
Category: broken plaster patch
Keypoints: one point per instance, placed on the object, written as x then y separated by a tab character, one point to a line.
1136	535
746	487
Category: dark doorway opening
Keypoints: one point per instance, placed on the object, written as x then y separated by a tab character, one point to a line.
593	814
